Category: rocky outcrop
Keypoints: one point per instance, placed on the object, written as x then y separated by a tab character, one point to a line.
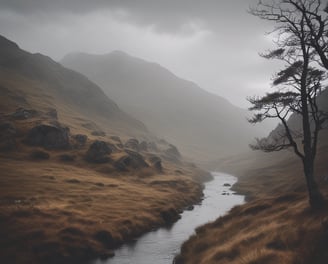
132	160
137	160
48	136
99	152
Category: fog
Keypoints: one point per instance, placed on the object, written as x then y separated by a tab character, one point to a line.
212	43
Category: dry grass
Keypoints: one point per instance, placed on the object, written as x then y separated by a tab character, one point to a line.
284	232
50	210
275	226
55	211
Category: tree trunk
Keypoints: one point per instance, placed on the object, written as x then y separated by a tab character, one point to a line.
316	199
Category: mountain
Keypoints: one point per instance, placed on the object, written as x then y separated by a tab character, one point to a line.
35	80
79	176
203	125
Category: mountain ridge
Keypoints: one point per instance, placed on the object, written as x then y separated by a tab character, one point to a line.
201	124
56	81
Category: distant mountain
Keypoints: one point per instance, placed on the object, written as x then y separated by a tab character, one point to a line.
36	81
203	125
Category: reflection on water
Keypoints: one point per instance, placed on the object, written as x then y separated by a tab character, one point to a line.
162	245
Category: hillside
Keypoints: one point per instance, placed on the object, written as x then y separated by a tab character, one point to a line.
204	126
79	176
58	87
276	225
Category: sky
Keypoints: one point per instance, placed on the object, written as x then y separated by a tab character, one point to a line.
214	43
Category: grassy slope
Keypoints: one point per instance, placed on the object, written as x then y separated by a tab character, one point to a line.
53	211
275	226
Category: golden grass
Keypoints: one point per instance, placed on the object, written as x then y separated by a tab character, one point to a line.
276	225
47	202
284	232
53	211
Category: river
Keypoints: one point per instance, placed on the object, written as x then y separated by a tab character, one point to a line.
162	245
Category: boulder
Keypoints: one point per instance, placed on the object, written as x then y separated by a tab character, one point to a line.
48	136
137	160
98	152
133	144
132	160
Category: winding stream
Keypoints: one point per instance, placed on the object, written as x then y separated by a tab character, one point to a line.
162	245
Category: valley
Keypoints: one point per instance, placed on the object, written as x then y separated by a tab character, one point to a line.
79	177
107	157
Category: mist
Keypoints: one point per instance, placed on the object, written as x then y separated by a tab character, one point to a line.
126	135
214	44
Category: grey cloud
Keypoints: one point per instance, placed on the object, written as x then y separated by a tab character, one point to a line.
211	42
163	15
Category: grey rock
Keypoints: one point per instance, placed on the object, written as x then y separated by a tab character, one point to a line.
48	136
98	152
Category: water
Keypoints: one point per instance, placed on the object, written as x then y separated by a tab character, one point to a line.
162	245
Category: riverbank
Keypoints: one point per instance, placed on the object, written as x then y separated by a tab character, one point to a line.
52	212
276	225
162	245
273	230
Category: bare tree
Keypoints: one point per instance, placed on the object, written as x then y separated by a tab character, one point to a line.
315	14
298	84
